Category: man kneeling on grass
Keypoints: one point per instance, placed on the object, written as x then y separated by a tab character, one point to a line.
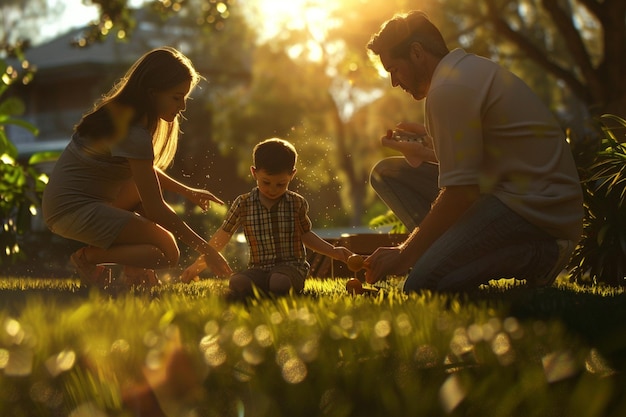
276	225
510	204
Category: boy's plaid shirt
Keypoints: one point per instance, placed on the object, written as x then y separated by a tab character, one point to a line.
274	235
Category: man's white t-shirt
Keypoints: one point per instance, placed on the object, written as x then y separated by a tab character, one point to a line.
490	129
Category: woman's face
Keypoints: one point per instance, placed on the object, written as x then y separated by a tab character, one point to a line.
169	103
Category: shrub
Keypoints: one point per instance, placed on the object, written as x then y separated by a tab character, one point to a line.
20	185
600	256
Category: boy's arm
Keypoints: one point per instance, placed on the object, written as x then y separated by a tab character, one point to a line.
312	241
219	239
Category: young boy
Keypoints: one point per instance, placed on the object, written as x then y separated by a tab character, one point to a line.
276	225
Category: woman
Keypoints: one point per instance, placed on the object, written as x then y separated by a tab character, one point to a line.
106	188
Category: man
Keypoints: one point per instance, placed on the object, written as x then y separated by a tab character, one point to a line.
510	204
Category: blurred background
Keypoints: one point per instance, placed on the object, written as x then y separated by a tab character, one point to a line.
296	69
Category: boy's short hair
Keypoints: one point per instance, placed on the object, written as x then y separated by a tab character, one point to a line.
275	156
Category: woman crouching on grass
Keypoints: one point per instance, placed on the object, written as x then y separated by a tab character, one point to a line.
106	188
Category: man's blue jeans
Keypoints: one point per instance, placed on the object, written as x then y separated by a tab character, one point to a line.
408	192
490	241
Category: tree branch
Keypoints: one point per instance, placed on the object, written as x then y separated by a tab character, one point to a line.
576	47
536	54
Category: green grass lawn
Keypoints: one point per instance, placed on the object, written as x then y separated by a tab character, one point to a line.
185	350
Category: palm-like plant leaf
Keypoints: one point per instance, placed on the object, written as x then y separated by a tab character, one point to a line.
600	256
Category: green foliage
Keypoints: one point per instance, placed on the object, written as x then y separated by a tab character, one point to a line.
116	16
65	351
388	219
601	254
20	185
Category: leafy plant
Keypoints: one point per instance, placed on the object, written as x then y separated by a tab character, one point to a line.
388	219
20	185
600	257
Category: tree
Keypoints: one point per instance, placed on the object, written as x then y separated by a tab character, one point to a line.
333	80
579	43
18	18
337	96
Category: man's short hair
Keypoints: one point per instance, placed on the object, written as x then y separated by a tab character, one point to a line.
398	33
275	156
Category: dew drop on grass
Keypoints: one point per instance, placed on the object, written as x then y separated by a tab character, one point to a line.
150	339
346	322
595	363
214	355
403	324
460	343
513	328
501	344
294	371
382	328
63	361
41	392
427	356
253	355
489	332
263	335
242	336
14	330
309	350
120	346
475	333
276	317
211	328
284	354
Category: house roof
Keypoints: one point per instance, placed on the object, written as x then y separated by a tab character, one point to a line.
59	57
62	52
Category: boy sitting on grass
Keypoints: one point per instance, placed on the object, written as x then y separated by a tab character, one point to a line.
276	225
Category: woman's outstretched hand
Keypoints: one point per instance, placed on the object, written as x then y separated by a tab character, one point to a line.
217	264
203	198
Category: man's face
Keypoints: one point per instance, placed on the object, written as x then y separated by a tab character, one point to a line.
410	73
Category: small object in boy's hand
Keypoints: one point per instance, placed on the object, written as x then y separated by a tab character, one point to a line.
354	286
355	262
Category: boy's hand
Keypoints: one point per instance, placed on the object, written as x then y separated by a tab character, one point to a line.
341	253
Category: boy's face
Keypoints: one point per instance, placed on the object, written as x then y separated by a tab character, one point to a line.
273	186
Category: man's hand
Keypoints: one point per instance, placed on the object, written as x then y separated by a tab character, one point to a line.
384	261
415	152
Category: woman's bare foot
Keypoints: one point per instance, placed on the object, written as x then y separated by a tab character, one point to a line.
90	274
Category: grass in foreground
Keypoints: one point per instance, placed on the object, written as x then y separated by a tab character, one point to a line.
184	350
